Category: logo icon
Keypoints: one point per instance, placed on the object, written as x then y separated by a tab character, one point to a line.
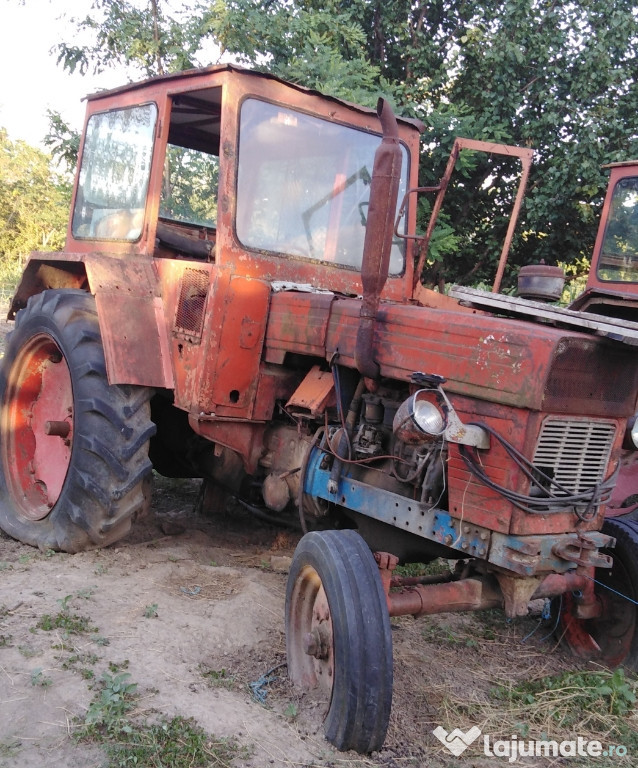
457	741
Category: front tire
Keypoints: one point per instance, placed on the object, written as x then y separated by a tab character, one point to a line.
338	636
74	463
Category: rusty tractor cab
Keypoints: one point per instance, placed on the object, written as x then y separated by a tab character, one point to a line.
237	301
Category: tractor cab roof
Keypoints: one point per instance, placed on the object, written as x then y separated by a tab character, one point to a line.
173	80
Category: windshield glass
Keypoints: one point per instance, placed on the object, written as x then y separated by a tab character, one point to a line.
619	254
303	186
116	163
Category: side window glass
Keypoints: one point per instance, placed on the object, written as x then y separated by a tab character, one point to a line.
114	174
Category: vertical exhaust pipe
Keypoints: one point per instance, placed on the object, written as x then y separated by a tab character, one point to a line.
384	191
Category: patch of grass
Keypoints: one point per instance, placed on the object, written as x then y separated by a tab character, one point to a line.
595	704
79	658
150	612
434	567
5	566
116	667
600	692
28	651
219	678
9	749
86	594
69	623
38	678
178	742
5	641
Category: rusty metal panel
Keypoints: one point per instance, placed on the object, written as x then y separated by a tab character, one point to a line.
134	338
129	306
314	394
297	322
469	499
234	362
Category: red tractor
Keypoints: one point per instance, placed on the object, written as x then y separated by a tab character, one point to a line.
238	301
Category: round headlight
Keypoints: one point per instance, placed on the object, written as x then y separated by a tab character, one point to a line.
418	419
634	432
428	417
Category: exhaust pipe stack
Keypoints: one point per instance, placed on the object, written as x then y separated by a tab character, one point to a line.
384	191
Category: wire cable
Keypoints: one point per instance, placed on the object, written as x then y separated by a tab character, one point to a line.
549	501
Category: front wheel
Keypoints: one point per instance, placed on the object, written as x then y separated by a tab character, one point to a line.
611	638
338	636
74	459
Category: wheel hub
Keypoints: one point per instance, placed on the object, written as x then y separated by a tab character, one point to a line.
38	424
318	642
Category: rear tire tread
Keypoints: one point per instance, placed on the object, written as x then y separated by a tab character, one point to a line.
102	491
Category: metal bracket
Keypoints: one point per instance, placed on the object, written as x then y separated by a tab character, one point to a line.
583	550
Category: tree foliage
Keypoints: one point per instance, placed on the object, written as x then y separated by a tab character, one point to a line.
142	37
558	77
34	205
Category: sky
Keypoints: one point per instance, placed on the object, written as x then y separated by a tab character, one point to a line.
31	81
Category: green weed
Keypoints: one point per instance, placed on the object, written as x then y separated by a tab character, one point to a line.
595	704
28	651
79	658
38	678
598	692
179	743
434	567
219	678
150	612
69	623
115	700
9	749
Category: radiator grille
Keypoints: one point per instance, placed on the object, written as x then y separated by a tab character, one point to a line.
575	453
189	317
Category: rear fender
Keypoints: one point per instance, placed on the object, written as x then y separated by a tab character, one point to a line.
129	306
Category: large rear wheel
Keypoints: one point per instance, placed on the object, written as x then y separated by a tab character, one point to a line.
338	636
612	637
74	463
